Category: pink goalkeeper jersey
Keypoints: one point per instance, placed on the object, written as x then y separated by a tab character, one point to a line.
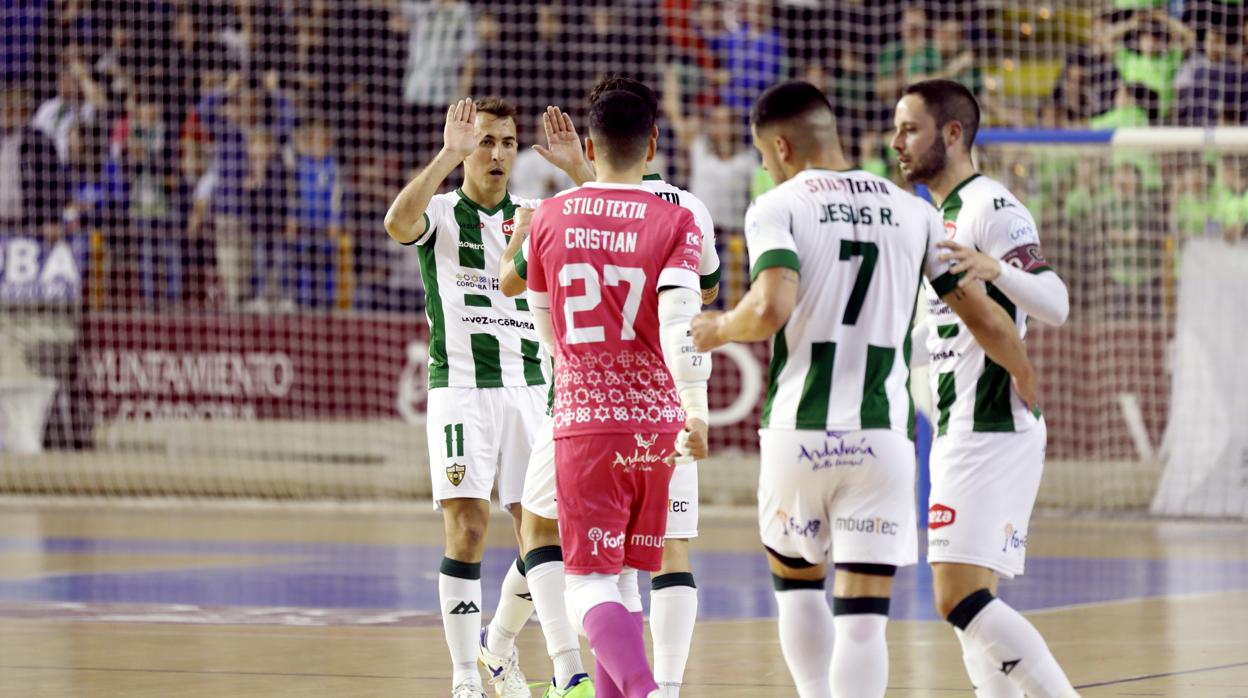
599	254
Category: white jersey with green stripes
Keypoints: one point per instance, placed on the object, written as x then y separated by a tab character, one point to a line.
860	245
972	393
478	337
708	268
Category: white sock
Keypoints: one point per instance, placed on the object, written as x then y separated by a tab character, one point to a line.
546	584
806	637
459	591
1014	645
860	653
673	610
987	678
514	608
630	593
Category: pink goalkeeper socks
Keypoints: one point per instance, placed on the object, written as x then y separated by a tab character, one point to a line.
616	638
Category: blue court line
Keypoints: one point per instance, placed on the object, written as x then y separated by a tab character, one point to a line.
732	585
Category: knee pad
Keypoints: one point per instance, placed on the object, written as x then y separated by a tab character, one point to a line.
630	595
584	591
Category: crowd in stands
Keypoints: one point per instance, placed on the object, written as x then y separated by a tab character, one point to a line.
241	153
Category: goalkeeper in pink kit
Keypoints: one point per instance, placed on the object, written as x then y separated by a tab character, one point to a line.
613	285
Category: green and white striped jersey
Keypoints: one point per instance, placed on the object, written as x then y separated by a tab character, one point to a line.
478	337
860	245
972	393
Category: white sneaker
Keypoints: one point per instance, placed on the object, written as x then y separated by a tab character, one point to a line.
505	675
468	689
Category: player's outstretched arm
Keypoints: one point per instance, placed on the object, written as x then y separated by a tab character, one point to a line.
690	368
996	333
759	315
1042	295
510	281
405	221
563	147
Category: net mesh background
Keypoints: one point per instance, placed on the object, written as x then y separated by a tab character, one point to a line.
199	297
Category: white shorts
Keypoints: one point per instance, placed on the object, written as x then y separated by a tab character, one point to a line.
848	496
984	486
539	487
479	434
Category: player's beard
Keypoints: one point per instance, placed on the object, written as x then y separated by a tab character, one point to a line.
932	163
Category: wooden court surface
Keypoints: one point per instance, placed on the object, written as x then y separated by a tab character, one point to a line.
1174	623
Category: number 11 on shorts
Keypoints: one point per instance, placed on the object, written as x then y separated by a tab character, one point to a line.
454	440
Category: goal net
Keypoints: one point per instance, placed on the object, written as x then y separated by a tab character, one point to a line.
197	296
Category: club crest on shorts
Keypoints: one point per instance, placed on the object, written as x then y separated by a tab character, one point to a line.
455	473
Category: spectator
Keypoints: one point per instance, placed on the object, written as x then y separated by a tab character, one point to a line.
551	66
752	55
616	49
315	225
1209	83
225	117
1075	98
19	53
1230	198
957	60
441	65
141	148
1135	235
33	184
533	177
265	214
911	58
1193	215
1134	105
721	166
388	276
1150	53
77	102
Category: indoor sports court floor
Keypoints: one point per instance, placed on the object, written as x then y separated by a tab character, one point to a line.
195	601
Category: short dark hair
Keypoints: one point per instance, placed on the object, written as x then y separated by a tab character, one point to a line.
496	106
620	123
787	101
948	100
612	83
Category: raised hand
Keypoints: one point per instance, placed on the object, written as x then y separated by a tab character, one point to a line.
563	146
460	136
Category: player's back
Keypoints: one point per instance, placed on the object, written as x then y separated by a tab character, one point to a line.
602	252
842	360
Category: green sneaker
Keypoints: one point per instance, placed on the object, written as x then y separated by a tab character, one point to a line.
579	686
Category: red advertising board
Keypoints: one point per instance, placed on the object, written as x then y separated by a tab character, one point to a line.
214	366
